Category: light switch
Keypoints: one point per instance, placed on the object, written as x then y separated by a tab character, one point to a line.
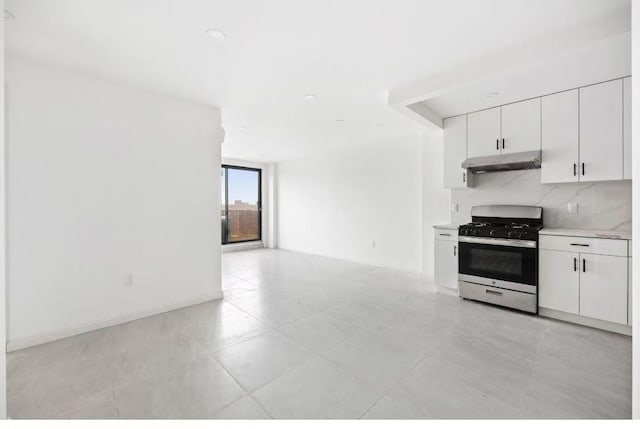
454	207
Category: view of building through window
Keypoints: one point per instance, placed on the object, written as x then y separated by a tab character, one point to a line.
240	204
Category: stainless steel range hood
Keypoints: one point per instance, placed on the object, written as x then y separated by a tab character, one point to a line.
506	162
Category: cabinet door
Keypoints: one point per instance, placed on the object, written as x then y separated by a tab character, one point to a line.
520	126
601	131
455	152
446	264
629	289
603	287
559	286
627	128
484	133
559	136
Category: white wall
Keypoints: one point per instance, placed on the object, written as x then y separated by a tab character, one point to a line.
339	203
106	181
635	311
3	285
435	198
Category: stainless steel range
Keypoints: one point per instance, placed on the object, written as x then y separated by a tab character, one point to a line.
498	256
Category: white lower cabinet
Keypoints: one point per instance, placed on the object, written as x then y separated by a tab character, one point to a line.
559	281
584	283
603	287
446	263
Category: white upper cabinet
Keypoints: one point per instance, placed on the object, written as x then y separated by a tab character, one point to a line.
520	126
601	140
584	134
559	125
627	128
455	152
484	133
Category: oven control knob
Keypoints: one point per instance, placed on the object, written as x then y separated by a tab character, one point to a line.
492	233
513	234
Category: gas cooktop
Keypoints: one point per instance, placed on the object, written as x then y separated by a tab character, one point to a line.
515	230
510	222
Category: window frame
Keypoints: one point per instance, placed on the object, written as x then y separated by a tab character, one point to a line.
228	167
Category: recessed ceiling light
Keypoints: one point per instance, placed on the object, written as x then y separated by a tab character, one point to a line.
310	97
243	128
493	94
380	124
339	121
8	15
215	34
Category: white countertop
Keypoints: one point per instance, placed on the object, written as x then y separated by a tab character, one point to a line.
446	226
589	233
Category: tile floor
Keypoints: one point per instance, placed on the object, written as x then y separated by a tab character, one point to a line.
300	336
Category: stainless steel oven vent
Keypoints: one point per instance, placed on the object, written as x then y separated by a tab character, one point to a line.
511	161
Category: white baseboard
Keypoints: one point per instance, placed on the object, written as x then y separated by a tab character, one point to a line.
354	261
238	247
447	291
586	321
58	334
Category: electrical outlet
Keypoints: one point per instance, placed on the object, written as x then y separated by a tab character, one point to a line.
572	207
128	280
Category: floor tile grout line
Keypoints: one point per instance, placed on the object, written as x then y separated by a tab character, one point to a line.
261	406
211	354
115	402
301	364
533	366
394	385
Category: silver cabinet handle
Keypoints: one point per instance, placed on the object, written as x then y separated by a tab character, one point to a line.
579	244
575	264
574	168
446	235
493	292
455	250
583	168
464	177
584	265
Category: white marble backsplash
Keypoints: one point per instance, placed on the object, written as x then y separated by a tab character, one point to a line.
602	205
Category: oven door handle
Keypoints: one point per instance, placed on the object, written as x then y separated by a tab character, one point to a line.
499	241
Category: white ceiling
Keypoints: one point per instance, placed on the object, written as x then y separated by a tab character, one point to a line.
349	53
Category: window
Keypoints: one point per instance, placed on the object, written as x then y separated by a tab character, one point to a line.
241	204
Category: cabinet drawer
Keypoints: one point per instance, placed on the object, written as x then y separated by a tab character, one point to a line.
445	234
599	246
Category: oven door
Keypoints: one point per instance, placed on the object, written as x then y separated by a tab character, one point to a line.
505	263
